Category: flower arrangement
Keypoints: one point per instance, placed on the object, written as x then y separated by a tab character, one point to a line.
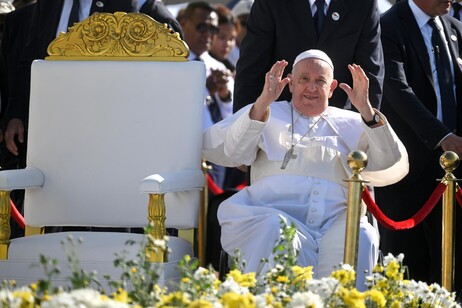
284	284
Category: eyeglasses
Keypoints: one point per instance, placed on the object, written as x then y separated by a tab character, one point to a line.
203	27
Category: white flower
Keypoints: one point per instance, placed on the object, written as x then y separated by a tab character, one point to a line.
324	287
347	267
260	301
301	300
161	244
84	298
388	259
199	273
7	299
229	285
203	274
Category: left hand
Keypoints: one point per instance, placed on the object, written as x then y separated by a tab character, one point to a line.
359	94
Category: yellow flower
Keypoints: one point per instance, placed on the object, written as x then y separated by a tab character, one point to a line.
200	304
282	279
234	300
121	296
33	287
236	275
381	285
173	299
244	280
157	289
185	280
302	274
378	269
377	297
352	298
133	270
216	284
278	305
344	276
395	304
393	272
269	299
26	297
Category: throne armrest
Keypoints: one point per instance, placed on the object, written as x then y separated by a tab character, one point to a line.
162	183
21	179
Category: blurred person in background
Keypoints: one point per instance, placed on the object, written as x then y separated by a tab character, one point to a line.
224	42
199	21
241	12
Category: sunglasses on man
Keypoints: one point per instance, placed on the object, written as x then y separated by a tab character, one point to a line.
203	27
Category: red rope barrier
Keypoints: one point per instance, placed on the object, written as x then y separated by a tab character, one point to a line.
216	190
17	216
408	223
459	196
213	187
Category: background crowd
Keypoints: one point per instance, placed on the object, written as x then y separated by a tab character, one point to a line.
410	51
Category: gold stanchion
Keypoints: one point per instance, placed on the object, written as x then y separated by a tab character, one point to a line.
449	161
357	161
203	210
5	231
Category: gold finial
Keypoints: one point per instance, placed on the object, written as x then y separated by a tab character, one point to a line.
357	161
119	36
449	161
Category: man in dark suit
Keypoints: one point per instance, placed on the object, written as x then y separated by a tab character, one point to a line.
349	32
49	16
15	33
419	104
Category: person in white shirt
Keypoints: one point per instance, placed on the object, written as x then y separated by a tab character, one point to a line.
199	21
298	152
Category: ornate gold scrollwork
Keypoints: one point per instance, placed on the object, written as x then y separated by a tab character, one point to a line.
156	218
119	36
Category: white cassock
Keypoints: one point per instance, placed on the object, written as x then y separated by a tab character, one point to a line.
310	191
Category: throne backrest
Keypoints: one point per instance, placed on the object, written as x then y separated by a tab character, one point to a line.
96	128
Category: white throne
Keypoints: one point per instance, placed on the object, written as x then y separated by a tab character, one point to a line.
112	122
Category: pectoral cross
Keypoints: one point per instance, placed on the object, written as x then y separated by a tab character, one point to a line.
289	155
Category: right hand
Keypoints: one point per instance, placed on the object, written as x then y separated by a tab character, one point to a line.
15	127
274	84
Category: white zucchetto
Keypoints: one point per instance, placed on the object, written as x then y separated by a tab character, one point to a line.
314	54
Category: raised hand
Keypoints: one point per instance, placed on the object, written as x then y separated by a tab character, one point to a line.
274	84
359	94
